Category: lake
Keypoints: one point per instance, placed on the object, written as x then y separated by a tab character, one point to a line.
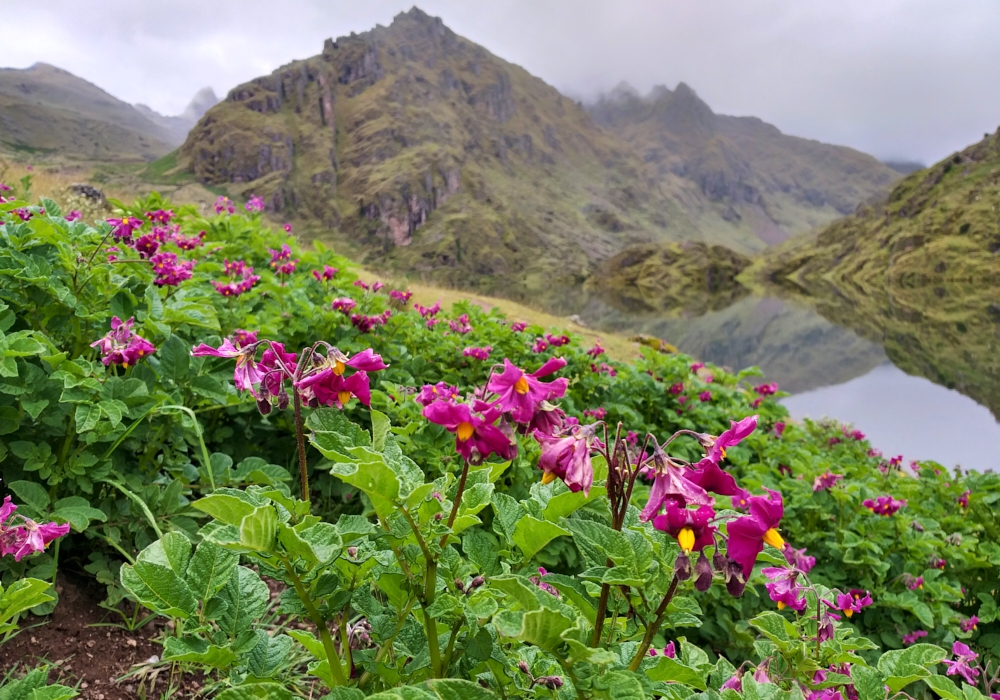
831	370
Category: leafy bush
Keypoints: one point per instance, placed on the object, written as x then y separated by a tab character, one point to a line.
190	499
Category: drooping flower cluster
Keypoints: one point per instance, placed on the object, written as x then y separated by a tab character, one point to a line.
326	275
21	536
461	325
122	346
242	279
883	505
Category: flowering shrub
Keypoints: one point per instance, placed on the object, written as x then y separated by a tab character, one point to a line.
514	524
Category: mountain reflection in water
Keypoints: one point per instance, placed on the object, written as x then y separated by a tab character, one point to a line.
834	372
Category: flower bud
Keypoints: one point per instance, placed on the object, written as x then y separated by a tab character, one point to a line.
283	400
523	665
438	517
703	574
917	526
682	567
459	585
735	582
719	561
550	682
352	552
264	406
476	583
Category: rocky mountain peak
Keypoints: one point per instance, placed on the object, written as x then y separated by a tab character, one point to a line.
685	114
202	101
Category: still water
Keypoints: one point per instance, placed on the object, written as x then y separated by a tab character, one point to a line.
832	372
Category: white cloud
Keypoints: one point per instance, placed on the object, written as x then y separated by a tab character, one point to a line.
897	78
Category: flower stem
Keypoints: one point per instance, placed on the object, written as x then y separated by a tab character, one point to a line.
602	611
331	651
458	500
301	440
651	631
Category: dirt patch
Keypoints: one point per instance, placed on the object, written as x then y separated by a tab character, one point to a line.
93	659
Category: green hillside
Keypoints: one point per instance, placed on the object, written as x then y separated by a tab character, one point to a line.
48	111
416	149
918	272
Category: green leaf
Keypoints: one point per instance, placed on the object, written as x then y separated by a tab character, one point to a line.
210	388
210	569
458	689
227	508
868	682
87	416
256	691
268	654
309	641
380	429
175	359
197	651
667	669
20	596
898	662
257	530
542	627
600	541
246	598
373	476
944	687
776	628
159	588
76	511
173	550
31	494
621	685
532	534
569	501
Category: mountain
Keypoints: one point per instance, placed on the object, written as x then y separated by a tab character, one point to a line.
179	126
918	271
755	177
416	149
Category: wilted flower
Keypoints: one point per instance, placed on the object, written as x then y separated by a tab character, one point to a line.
23	536
734	683
568	458
938	563
122	346
537	580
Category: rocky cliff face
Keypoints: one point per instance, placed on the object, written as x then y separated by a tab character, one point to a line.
419	149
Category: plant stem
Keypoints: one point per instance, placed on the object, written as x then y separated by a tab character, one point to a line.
387	644
301	440
331	651
602	611
458	500
430	624
651	631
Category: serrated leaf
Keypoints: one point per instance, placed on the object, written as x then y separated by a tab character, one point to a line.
158	588
246	598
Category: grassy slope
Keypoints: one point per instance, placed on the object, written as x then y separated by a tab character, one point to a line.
45	110
918	272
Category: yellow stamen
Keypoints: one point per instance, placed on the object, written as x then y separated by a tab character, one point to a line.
521	385
548	477
685	538
343	397
465	431
723	450
125	365
774	539
339	367
849	612
781	606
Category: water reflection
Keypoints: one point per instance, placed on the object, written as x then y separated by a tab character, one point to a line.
912	416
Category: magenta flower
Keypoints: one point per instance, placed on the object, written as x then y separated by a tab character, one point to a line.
915	584
461	325
557	340
326	275
798	558
970	624
783	588
963	500
189	243
883	505
853	434
851	602
73	215
697	366
478	353
912	637
160	216
428	312
734	683
767	389
146	246
224	204
748	534
671	485
287	268
331	389
675	389
960	665
705	396
520	393
246	373
122	346
598	413
691	528
255	205
242	338
476	438
436	392
709	476
275	366
568	458
604	368
243	279
537	580
344	305
366	324
288	228
168	271
281	255
938	563
597	350
826	481
363	285
518	326
540	345
400	296
122	228
716	446
548	420
779	428
24	536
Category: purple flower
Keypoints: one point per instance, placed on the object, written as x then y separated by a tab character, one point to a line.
24	536
826	481
436	392
281	255
73	215
189	243
344	305
712	478
326	275
692	528
122	346
783	588
168	271
748	534
883	505
963	500
478	353
716	446
537	580
671	485
851	602
914	584
246	373
597	350
568	458
705	396
767	389
243	276
476	438
557	340
798	558
970	624
428	312
734	683
598	413
521	393
224	204
960	665
242	338
540	345
288	228
779	428
400	296
675	389
518	326
331	389
912	637
122	228
255	205
461	325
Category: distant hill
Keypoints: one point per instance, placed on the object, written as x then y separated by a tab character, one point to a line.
918	271
755	177
905	167
179	126
418	149
47	110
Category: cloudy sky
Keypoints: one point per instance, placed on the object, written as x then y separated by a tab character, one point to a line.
905	79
